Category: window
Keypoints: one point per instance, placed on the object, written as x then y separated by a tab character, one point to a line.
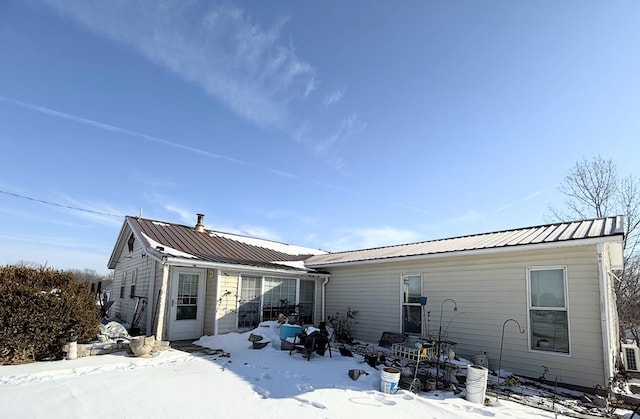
307	299
279	297
134	279
187	304
130	243
249	308
264	298
411	308
123	284
548	311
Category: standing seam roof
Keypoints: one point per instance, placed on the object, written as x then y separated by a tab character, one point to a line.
543	234
211	247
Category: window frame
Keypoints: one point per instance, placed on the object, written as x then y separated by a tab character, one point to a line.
564	309
270	307
134	281
123	284
404	304
299	301
247	306
188	295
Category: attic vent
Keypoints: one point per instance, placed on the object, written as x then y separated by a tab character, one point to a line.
130	242
200	225
631	357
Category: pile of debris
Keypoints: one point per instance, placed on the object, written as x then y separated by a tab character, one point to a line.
113	337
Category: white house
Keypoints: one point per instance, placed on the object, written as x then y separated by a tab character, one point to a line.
553	281
192	281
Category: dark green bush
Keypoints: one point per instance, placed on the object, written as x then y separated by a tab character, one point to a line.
39	310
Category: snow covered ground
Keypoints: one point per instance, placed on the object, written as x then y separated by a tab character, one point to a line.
250	383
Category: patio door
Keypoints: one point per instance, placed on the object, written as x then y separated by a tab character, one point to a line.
187	304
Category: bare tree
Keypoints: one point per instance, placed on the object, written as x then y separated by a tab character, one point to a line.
590	188
629	203
593	190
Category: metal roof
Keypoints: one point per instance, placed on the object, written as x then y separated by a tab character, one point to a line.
176	240
576	232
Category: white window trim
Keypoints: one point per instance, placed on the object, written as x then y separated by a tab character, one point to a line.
565	270
402	303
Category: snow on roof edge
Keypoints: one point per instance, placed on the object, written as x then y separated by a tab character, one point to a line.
167	249
289	249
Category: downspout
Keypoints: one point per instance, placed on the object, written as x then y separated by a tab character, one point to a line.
605	286
324	293
162	304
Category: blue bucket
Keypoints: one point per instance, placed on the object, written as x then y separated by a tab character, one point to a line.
289	330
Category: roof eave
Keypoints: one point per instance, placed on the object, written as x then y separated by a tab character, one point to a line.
119	245
171	260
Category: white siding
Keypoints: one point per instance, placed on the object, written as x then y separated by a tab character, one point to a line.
210	302
227	307
132	263
317	312
488	290
155	284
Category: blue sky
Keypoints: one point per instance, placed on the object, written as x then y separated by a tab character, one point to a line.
333	125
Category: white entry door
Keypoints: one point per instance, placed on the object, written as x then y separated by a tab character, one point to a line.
187	304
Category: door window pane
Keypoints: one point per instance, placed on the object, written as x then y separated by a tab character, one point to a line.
187	299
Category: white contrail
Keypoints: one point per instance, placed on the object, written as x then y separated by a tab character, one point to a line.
146	137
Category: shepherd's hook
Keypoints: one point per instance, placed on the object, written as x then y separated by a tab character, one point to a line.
455	308
501	342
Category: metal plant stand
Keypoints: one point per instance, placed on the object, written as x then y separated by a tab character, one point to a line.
413	354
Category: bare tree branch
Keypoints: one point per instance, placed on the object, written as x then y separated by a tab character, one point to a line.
592	189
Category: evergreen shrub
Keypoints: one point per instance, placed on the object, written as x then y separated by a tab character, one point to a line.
40	310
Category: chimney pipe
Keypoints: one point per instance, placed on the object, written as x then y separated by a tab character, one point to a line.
200	225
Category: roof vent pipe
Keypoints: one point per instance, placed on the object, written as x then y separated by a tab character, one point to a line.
200	225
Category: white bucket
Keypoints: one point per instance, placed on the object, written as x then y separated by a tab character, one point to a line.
476	383
389	378
480	360
72	351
